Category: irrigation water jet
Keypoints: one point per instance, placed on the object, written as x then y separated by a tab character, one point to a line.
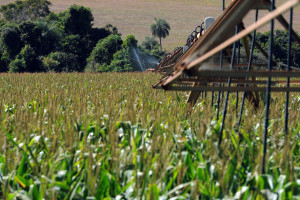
138	59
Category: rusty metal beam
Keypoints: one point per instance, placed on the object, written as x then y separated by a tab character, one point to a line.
240	81
285	24
227	21
242	73
167	60
231	89
285	7
195	61
223	28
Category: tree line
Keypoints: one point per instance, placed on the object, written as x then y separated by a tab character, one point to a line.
34	39
280	47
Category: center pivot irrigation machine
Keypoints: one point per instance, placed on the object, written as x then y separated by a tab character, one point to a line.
211	60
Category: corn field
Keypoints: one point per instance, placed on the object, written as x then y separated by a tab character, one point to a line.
111	136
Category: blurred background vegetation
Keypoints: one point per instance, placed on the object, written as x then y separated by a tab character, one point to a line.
33	39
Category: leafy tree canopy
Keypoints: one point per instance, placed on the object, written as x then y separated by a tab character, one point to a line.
121	61
11	40
31	60
280	47
31	34
112	29
2	22
60	62
50	39
17	65
33	39
149	43
3	63
27	10
160	28
105	49
77	20
130	41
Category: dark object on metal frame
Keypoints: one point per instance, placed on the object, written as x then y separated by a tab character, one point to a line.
166	65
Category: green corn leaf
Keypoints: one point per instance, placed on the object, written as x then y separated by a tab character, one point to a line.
62	185
154	192
23	167
34	140
22	181
35	194
104	185
230	171
171	182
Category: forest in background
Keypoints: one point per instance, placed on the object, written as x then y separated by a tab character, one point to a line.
34	39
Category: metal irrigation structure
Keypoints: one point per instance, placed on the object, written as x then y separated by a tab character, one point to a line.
211	61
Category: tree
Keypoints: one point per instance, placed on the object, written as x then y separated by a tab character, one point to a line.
77	20
17	65
3	63
26	61
121	61
60	62
77	46
130	41
50	39
11	40
30	34
2	22
97	34
280	47
34	39
28	10
112	29
160	29
105	49
149	43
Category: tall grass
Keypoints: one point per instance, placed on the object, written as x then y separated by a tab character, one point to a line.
111	136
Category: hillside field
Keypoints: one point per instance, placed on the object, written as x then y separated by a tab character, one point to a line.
135	16
111	136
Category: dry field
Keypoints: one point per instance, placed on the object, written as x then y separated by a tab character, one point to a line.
135	16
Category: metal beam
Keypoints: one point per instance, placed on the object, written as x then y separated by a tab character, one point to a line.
197	61
231	89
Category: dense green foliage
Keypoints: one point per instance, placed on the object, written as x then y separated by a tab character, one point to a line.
66	41
11	40
280	47
30	61
27	10
77	20
110	135
103	53
134	57
113	54
149	43
3	64
61	62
